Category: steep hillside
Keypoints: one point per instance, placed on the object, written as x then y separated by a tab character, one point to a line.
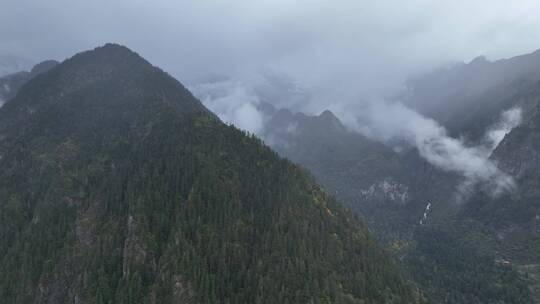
407	203
514	219
390	189
118	186
467	99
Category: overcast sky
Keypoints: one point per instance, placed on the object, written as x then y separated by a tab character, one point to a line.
340	51
343	55
312	40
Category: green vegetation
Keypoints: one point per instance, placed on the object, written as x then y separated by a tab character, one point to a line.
458	268
454	257
117	186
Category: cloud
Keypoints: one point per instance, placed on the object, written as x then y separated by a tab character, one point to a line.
232	101
509	120
395	121
344	46
339	52
236	102
11	64
342	55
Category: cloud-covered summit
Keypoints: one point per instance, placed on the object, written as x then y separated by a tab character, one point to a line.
344	55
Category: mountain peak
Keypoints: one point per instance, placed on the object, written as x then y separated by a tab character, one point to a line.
328	115
112	171
115	48
107	77
479	60
111	54
43	67
331	121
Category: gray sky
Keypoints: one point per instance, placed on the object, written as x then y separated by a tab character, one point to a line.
339	53
315	41
343	55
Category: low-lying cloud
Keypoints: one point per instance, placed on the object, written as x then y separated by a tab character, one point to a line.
237	103
232	101
509	119
390	121
340	53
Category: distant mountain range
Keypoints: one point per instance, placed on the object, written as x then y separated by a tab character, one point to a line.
485	250
476	93
408	202
466	98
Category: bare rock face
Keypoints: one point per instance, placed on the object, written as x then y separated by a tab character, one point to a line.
387	189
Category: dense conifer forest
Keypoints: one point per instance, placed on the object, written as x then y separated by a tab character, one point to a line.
118	186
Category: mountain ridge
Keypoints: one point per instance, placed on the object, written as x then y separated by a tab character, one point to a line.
119	186
408	205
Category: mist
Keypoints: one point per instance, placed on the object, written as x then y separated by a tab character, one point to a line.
233	102
388	121
338	49
307	56
509	119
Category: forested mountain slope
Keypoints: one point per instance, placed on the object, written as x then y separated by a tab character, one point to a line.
118	186
408	204
468	98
